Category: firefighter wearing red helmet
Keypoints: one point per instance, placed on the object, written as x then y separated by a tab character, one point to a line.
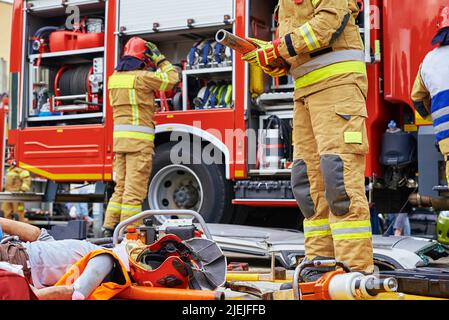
131	93
430	93
321	43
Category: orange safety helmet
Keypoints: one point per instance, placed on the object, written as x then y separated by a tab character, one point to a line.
171	262
160	264
136	47
443	19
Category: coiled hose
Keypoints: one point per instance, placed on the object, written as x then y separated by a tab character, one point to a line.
74	81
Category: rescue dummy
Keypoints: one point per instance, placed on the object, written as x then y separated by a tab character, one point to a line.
430	93
321	43
86	271
131	94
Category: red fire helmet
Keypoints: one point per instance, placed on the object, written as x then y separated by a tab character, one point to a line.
136	47
443	19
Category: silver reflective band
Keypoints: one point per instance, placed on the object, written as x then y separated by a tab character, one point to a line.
326	60
318	228
442	127
131	128
309	36
439	113
351	230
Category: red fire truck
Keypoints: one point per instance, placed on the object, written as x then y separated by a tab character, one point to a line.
63	52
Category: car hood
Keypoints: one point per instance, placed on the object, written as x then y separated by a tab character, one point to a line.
287	245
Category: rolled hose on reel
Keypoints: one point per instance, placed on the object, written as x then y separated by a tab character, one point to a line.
73	81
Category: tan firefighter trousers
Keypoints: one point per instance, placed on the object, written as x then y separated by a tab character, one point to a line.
9	208
328	177
132	171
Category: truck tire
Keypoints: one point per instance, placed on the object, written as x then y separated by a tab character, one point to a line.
198	187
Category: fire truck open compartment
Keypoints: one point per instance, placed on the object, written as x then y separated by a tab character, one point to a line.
187	37
276	101
200	70
271	110
63	63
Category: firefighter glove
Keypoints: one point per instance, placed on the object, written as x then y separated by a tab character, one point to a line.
266	54
154	54
275	71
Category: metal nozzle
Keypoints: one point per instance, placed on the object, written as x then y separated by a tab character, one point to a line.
373	286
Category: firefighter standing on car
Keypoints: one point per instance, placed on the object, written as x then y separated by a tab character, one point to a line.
430	93
131	93
17	180
321	43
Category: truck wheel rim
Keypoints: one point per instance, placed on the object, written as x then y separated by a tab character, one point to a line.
175	187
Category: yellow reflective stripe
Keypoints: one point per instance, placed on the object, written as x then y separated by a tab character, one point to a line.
316	228
312	34
315	223
62	176
134	135
121	81
12	174
134	106
164	79
114	206
353	236
309	37
350	224
110	98
330	71
24	174
318	233
351	230
353	137
167	68
306	39
131	208
315	3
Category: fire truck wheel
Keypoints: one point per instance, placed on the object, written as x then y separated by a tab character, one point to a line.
192	186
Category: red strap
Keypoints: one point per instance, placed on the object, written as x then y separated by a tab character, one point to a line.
299	1
274	146
164	103
38	61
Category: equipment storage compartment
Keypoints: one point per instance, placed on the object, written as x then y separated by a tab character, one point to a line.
207	69
185	33
273	97
65	59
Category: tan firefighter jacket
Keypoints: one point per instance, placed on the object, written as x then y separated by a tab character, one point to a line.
131	95
321	42
17	179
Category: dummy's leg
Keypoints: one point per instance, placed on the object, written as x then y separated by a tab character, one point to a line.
96	271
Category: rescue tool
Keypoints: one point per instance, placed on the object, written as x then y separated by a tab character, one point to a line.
342	284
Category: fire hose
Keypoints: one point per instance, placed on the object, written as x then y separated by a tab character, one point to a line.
73	81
